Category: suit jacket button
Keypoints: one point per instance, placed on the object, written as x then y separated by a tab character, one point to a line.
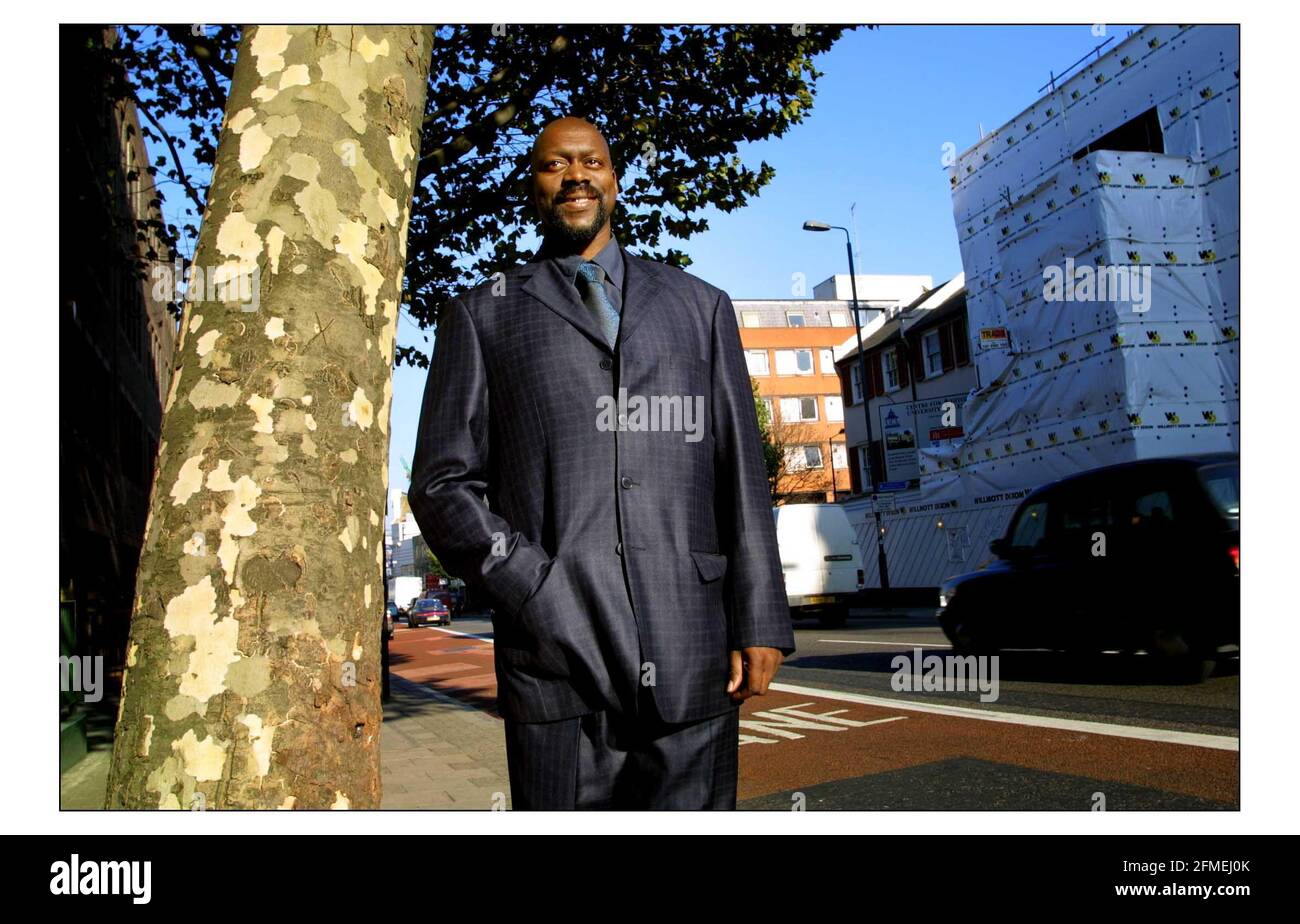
607	364
625	481
618	549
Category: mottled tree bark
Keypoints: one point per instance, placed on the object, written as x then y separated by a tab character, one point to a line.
253	666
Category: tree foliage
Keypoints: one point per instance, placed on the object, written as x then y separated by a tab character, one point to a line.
675	104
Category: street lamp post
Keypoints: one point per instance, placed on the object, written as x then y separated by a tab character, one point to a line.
830	442
882	562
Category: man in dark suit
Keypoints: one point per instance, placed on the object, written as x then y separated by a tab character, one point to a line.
602	405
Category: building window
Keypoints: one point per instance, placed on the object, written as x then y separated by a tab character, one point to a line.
835	408
828	362
838	457
767	403
794	362
960	345
863	468
933	354
839	319
855	382
802	458
756	360
798	410
794	319
751	319
889	366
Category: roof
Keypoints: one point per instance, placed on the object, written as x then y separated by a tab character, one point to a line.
880	334
945	311
930	307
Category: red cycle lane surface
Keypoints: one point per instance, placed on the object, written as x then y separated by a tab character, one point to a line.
813	749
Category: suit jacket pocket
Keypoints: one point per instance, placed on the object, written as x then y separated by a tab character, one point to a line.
530	640
711	565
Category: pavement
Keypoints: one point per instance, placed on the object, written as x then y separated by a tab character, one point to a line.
810	743
437	752
82	786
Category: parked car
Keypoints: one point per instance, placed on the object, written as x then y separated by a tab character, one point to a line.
447	597
429	610
1143	555
390	618
820	560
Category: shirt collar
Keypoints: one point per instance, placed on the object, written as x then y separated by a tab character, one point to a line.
610	260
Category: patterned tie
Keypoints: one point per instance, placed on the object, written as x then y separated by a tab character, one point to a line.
591	283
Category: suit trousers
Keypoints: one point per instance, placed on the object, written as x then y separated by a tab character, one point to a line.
611	760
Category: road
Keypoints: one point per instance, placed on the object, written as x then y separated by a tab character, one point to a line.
1069	734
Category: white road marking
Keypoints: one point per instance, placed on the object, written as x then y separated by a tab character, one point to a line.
782	720
1166	736
457	632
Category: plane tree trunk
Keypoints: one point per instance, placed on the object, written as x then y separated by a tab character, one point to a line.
253	666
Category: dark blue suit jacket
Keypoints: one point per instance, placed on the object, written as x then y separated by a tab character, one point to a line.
614	558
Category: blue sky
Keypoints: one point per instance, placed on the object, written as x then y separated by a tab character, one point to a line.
887	103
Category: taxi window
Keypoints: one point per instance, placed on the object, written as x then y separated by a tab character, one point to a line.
1031	526
1223	484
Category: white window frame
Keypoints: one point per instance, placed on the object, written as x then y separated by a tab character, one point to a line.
855	382
885	356
753	355
796	458
793	365
932	371
790	317
864	466
828	361
797	401
834	408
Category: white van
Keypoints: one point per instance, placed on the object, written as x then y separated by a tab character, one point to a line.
404	591
821	560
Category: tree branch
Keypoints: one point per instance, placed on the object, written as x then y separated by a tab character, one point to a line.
171	146
479	134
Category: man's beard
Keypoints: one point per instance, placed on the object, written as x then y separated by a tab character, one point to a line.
578	235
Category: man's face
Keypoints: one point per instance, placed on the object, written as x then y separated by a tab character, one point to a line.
574	186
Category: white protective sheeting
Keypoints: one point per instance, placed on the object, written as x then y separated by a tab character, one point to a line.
1085	381
1096	376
